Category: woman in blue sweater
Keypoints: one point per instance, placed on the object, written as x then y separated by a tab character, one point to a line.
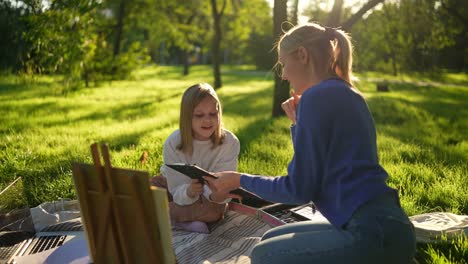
335	164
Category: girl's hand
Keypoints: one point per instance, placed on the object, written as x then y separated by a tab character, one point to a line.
289	106
195	189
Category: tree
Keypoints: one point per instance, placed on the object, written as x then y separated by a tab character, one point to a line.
60	39
338	16
294	12
247	33
453	15
334	18
411	35
358	15
121	12
185	24
281	92
378	41
315	11
11	26
217	15
71	38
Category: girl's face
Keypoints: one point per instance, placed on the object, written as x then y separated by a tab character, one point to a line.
205	119
295	71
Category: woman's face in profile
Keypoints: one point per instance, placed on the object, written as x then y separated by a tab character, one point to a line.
294	71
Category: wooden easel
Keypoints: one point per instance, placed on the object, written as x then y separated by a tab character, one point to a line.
125	220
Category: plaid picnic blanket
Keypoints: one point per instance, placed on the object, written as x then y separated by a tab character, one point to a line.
231	240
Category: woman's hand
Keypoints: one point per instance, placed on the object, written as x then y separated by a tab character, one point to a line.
289	106
225	182
195	189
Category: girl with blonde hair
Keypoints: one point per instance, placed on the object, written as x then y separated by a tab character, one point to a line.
200	140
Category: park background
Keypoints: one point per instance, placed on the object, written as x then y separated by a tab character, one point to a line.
77	72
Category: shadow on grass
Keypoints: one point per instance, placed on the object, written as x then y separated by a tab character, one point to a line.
129	111
254	106
127	140
174	73
14	87
52	179
436	108
240	78
229	74
252	131
433	123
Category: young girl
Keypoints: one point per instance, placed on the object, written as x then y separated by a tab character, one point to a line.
201	140
335	164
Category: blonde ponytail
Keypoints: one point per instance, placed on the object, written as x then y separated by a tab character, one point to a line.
343	56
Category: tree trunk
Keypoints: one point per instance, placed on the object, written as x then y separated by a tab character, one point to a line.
216	57
294	12
346	26
281	92
394	63
391	34
217	42
186	61
185	50
334	18
119	28
162	50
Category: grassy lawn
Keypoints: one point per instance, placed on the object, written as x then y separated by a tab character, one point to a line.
422	134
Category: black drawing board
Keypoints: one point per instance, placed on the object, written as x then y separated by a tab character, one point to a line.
195	172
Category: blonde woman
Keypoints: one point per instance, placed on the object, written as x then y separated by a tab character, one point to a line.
335	164
201	140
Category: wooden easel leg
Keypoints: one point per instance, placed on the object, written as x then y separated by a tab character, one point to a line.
109	209
145	217
117	214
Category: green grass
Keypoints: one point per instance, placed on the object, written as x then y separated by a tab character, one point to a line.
421	130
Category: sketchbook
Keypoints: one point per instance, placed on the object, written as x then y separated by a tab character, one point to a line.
194	172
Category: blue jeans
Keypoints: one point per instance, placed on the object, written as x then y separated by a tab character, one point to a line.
378	232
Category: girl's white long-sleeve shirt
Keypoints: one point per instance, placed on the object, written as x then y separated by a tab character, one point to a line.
221	158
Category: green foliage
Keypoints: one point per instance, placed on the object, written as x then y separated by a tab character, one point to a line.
61	40
10	41
79	39
410	36
317	10
184	28
261	50
248	31
406	35
187	23
70	38
105	67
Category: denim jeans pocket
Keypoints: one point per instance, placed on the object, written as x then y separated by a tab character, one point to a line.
398	236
